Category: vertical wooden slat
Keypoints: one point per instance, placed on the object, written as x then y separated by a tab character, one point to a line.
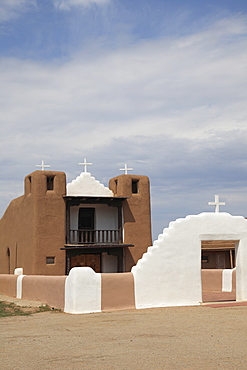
93	236
120	225
67	223
231	259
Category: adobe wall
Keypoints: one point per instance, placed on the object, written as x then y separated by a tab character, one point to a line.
46	289
136	214
82	291
33	227
117	291
87	291
8	285
49	228
212	285
17	236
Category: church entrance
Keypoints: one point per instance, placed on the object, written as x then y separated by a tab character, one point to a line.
218	264
88	260
101	260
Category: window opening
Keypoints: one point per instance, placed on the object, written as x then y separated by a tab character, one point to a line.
86	232
135	186
30	183
50	183
86	218
50	260
218	254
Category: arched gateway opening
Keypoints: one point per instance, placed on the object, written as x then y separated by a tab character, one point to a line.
218	264
170	273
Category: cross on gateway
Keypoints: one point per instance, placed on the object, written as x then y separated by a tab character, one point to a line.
125	169
42	165
216	203
85	164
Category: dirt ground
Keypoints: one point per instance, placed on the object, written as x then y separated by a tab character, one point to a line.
165	338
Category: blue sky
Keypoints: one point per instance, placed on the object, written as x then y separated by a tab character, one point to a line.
159	85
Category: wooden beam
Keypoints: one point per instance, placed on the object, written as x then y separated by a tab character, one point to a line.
218	244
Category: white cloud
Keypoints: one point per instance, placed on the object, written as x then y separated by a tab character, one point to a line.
186	87
69	4
177	104
11	9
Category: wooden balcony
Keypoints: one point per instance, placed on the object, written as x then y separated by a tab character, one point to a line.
95	237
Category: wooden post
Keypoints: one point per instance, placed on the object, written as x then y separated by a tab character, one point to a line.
67	223
231	259
120	226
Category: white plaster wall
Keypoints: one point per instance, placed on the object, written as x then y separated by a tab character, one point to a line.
87	185
106	218
18	271
19	286
82	291
169	274
74	218
108	263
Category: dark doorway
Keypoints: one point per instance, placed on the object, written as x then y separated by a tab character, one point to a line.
86	219
86	233
218	273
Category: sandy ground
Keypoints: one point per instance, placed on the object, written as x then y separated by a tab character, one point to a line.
166	338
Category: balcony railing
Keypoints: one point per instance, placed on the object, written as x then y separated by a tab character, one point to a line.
94	237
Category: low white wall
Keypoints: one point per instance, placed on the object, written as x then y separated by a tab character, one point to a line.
169	274
19	286
82	291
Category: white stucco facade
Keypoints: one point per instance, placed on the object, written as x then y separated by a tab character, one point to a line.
87	185
169	274
82	291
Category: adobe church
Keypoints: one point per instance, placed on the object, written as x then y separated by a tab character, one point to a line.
53	227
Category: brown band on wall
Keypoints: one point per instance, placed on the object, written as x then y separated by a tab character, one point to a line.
8	284
46	289
212	286
117	292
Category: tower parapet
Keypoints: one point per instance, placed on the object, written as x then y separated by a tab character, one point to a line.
136	214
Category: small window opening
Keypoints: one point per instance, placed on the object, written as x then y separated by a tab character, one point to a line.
116	185
30	183
50	260
50	183
135	186
86	218
204	259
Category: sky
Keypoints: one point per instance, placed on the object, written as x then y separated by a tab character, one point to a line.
159	85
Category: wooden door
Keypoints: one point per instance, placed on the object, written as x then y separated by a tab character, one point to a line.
93	260
89	260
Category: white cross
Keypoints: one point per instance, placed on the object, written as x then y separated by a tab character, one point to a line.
85	164
125	169
42	165
216	203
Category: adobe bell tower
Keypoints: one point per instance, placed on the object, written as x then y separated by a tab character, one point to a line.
45	208
136	214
